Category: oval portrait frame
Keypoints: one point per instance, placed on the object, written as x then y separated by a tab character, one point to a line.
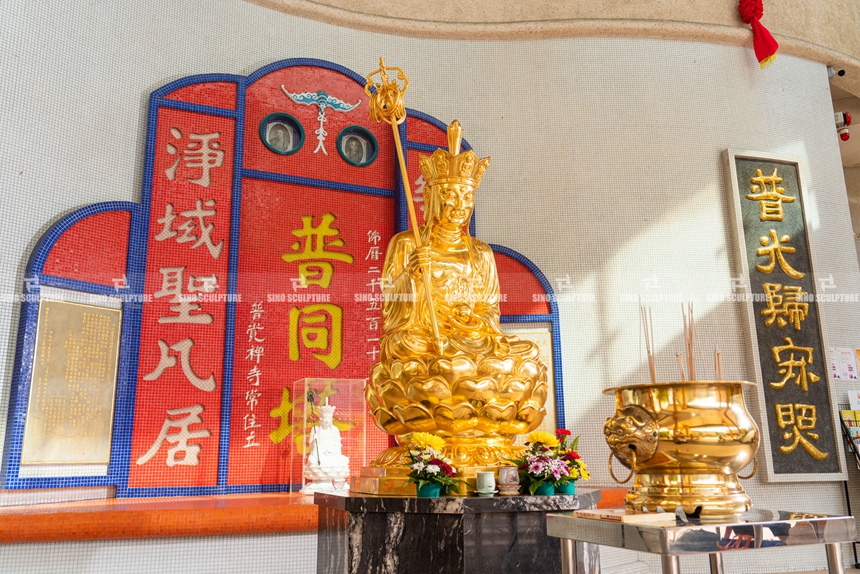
282	118
363	134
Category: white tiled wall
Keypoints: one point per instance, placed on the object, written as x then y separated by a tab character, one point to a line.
270	554
606	168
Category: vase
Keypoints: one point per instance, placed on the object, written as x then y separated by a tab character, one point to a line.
566	488
430	490
545	489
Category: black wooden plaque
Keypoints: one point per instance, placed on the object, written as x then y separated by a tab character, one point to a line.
787	328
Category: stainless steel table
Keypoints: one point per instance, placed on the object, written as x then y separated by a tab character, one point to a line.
754	530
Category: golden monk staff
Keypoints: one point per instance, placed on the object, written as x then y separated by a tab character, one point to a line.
386	105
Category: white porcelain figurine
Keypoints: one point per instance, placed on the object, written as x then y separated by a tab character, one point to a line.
326	466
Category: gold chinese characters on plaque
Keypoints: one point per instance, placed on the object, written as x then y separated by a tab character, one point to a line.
71	404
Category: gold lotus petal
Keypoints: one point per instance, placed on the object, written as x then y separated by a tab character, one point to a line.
488	426
538	419
378	374
529	370
529	411
540	393
414	367
484	389
392	393
531	414
396	369
514	427
415	417
516	390
429	391
370	397
462	367
496	366
387	422
499	410
455	418
441	367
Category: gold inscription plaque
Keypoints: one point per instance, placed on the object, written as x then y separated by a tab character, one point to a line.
72	388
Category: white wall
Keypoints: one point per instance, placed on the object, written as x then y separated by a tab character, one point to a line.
606	167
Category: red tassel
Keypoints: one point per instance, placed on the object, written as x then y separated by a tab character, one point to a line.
763	43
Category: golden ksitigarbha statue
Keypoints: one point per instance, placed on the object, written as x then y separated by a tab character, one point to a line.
445	366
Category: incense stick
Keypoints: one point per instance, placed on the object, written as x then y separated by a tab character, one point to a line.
718	365
649	341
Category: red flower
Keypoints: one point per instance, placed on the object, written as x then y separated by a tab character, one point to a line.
562	432
446	469
571	455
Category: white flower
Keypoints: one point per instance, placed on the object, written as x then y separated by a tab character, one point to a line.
433	469
419	466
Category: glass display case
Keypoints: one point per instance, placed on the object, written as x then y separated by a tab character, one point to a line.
346	433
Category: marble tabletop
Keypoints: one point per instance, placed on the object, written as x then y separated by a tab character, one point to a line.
364	503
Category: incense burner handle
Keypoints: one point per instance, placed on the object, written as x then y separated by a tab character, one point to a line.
629	476
632	437
752	474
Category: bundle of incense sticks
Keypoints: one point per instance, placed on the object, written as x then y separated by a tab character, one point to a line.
691	345
646	320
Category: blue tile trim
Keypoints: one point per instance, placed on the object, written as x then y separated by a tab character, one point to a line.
290	62
129	353
410	113
40	253
137	261
419	146
310	182
198	108
401	223
166	89
80	286
541	318
233	273
25	348
553	320
209	490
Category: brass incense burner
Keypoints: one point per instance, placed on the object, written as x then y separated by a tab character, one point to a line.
685	442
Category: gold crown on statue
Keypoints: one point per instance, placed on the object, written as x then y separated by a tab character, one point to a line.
452	166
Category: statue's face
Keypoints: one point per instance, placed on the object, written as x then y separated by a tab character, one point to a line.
456	202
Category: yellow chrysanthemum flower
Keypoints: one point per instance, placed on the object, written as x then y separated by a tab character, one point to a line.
422	440
544	438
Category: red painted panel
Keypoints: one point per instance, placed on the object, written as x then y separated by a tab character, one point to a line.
522	293
272	224
95	249
313	160
217	94
424	132
177	417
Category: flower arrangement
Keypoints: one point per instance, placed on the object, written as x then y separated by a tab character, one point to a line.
550	460
428	465
566	451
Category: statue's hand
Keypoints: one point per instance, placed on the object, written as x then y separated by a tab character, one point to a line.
419	261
